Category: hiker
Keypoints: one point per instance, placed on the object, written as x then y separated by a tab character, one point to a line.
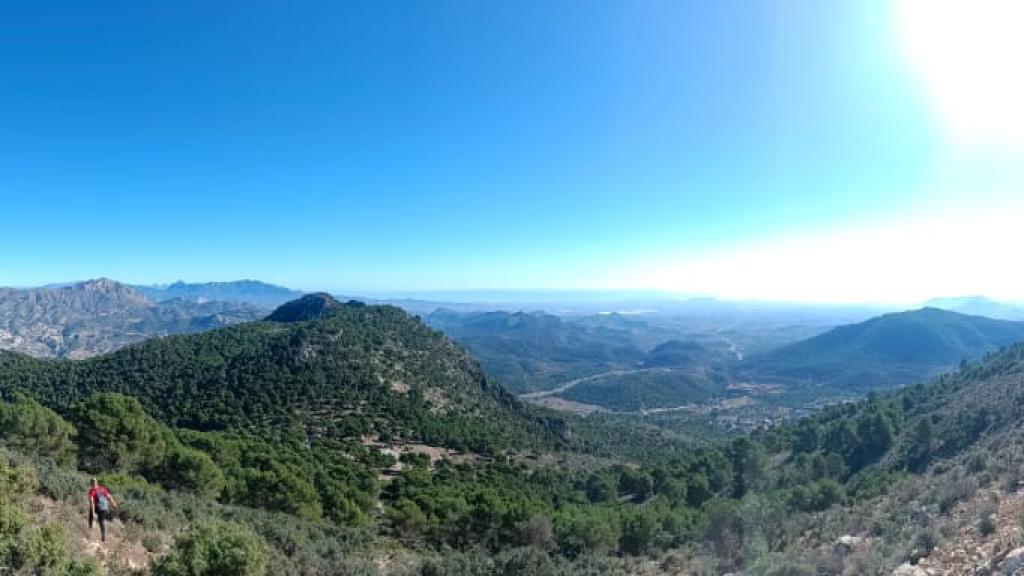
100	505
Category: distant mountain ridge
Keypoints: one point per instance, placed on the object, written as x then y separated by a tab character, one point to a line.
887	351
257	293
101	315
979	306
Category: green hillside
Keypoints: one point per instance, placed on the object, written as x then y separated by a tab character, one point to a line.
885	352
380	368
681	353
351	439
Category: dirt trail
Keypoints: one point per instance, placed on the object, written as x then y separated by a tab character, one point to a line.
120	552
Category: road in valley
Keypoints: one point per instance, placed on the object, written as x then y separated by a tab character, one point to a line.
571	383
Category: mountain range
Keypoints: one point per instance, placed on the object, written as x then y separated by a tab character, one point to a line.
87	318
979	306
254	292
360	425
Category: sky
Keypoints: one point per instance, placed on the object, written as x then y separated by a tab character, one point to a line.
857	151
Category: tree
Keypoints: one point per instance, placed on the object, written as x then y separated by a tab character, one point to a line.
116	433
808	436
919	452
29	427
638	534
189	469
215	549
748	460
601	488
874	431
636	483
537	532
586	529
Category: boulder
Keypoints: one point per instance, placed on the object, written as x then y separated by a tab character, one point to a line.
909	570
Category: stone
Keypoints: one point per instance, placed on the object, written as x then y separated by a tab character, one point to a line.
908	570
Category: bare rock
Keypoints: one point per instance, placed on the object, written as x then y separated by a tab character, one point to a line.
908	570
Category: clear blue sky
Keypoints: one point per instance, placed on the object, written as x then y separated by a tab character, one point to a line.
445	145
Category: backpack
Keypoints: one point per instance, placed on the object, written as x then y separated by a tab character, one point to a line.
102	502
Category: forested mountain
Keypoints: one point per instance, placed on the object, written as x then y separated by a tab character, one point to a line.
254	292
88	318
884	352
382	369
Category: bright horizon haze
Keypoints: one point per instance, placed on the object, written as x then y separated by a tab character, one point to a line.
854	151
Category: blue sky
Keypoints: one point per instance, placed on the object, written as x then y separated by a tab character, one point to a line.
436	145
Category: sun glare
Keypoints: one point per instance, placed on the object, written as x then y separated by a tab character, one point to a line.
967	54
902	262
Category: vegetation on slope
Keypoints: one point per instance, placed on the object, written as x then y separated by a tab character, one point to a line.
885	352
311	390
537	351
360	371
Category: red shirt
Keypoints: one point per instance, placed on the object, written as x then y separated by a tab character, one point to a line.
98	490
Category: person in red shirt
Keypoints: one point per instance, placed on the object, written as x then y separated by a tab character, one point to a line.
101	505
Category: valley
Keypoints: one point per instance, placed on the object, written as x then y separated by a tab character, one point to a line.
657	447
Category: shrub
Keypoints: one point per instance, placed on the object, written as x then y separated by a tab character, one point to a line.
60	483
215	549
986	519
954	491
922	544
46	551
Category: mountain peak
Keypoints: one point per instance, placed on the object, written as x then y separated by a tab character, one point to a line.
102	287
101	284
309	307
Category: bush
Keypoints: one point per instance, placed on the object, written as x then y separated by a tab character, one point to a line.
954	491
60	483
922	544
46	551
215	549
986	519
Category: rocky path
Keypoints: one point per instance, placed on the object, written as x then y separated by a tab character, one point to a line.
121	552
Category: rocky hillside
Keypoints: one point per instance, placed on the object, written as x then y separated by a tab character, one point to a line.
254	292
98	316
